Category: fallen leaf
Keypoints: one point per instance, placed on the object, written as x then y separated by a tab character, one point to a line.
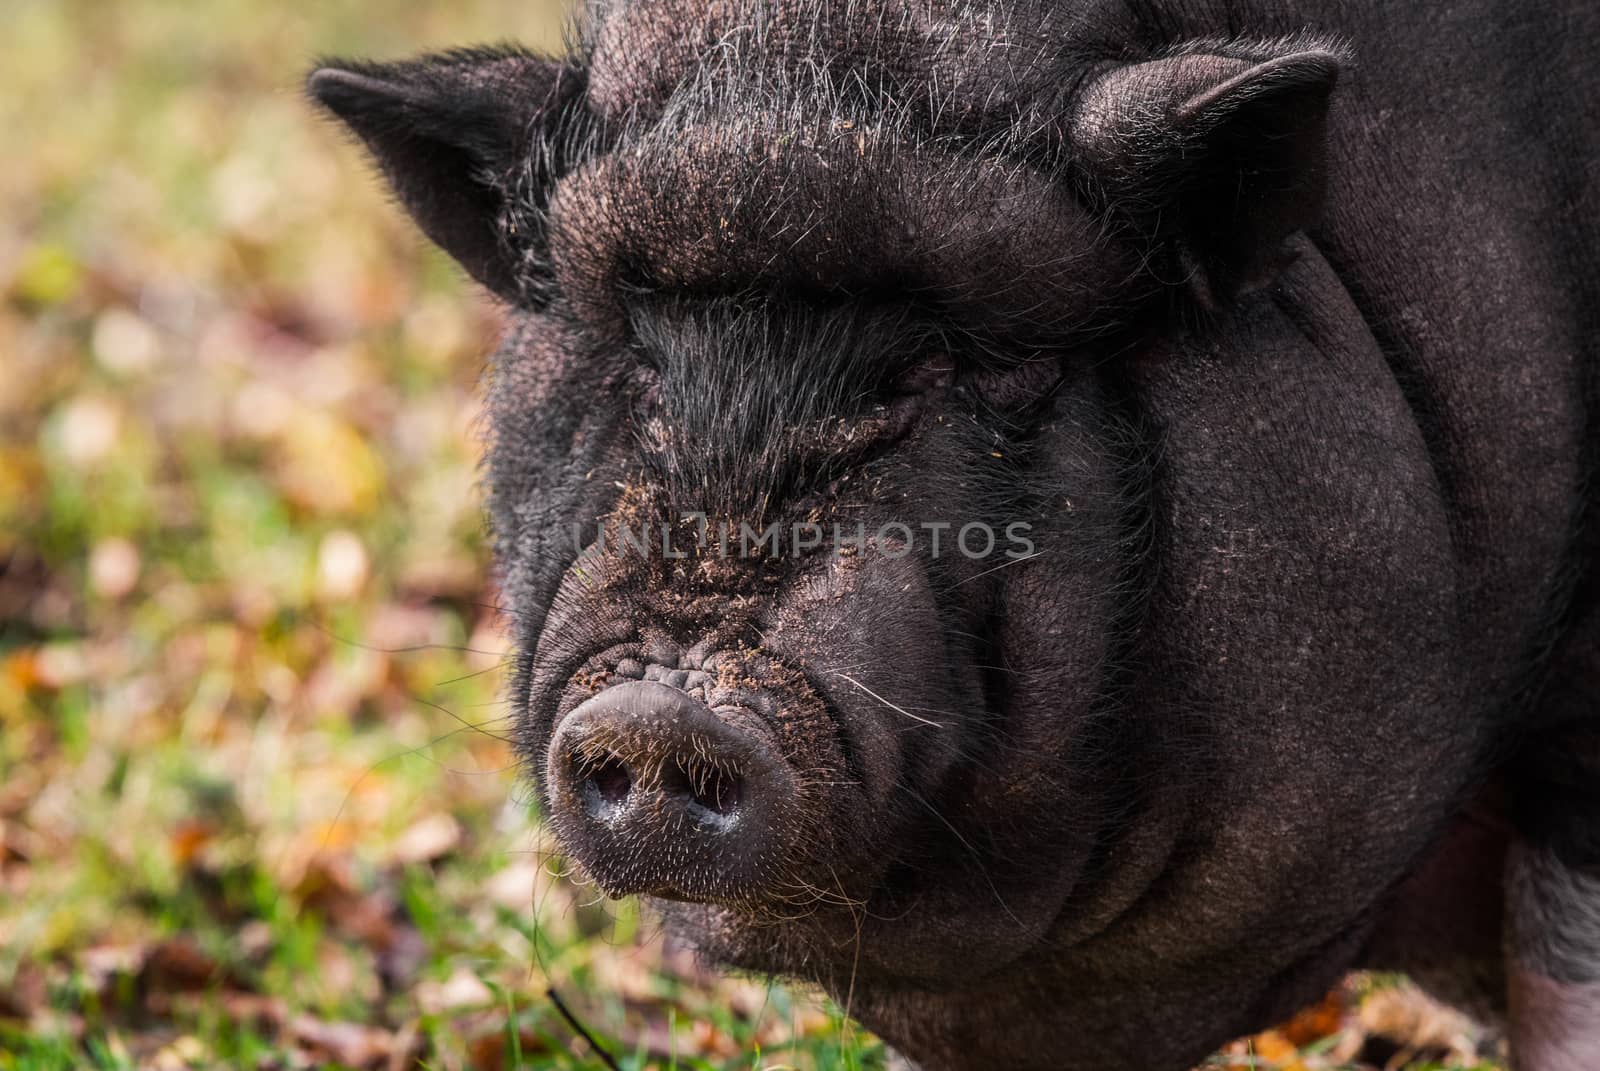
463	989
493	1050
342	566
1321	1020
188	839
27	994
427	839
324	466
113	568
89	428
1411	1019
346	1043
513	888
178	965
186	1052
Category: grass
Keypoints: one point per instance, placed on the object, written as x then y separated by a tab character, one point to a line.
256	808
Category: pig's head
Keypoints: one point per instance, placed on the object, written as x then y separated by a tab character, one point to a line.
821	484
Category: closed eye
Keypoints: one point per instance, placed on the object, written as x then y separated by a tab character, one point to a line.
932	374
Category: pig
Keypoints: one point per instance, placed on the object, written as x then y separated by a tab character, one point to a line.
1070	526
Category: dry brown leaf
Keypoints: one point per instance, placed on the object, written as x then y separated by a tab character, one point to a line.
178	965
189	838
1321	1020
492	1050
1411	1019
429	838
462	990
707	1040
182	1054
346	1043
27	994
514	887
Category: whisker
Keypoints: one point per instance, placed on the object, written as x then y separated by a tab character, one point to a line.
997	568
885	702
502	664
415	648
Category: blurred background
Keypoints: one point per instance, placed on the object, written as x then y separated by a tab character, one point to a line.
255	805
256	808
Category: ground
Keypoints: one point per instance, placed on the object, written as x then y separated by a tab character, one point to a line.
256	810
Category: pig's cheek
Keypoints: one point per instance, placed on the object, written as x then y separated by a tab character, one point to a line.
864	630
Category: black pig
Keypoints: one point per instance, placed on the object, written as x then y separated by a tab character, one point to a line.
1054	521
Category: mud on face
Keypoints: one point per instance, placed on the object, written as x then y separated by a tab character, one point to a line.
712	721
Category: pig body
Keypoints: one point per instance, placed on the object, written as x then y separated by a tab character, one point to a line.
1259	341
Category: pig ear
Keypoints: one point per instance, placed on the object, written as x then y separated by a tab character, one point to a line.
462	138
1219	156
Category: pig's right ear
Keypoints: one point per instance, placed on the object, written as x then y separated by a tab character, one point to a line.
463	138
1218	155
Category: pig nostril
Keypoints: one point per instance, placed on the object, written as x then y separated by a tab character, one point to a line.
709	793
606	782
720	793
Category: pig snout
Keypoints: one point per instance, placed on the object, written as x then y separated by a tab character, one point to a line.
654	792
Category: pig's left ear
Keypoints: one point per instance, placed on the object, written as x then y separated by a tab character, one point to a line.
1220	157
462	138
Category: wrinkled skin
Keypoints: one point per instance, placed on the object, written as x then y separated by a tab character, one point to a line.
1274	323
